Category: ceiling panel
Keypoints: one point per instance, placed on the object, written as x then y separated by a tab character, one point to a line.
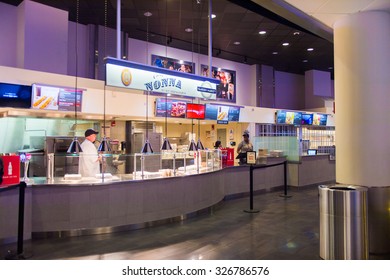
235	22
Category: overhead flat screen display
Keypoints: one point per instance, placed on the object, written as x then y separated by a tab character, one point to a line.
223	114
15	96
234	114
195	111
307	119
46	97
173	108
288	117
320	119
281	117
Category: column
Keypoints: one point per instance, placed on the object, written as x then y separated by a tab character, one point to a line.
362	82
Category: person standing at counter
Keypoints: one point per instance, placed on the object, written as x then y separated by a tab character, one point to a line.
244	146
89	164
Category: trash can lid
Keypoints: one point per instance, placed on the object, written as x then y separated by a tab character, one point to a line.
343	187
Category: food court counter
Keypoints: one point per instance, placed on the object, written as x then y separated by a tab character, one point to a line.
311	170
59	209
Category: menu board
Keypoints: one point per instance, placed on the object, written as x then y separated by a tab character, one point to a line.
172	108
319	119
234	114
288	117
307	119
15	96
195	111
217	112
56	98
223	114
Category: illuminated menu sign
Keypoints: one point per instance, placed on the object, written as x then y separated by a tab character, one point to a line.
172	108
288	117
16	96
320	119
195	111
298	118
46	97
223	114
126	74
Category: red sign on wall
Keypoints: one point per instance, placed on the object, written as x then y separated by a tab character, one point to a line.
11	174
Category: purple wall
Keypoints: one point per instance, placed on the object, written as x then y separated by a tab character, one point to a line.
8	31
42	38
289	91
82	50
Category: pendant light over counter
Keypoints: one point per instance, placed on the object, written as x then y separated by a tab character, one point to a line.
104	146
75	147
147	148
166	146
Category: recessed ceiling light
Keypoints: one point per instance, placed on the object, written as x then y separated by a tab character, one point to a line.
330	68
305	60
296	33
147	14
236	43
213	16
188	29
286	44
262	32
310	49
275	53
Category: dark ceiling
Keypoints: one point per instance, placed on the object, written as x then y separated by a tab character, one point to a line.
236	21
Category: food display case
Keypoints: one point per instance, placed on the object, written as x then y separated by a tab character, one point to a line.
198	162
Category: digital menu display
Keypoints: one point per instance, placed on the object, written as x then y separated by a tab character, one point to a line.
172	108
56	98
288	117
320	119
234	114
195	111
16	96
307	119
211	112
223	114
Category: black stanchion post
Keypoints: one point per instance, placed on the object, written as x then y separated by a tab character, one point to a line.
19	248
285	195
251	210
22	189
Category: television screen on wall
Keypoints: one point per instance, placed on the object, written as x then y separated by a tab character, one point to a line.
15	96
46	97
288	117
280	117
234	114
195	111
319	119
173	108
307	119
211	112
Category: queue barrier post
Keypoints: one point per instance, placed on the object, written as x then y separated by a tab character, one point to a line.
253	167
19	255
285	195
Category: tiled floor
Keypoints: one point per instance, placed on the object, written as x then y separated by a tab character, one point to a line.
284	229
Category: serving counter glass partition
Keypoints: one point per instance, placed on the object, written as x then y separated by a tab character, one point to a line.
294	141
143	166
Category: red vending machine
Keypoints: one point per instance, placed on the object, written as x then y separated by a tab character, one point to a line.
227	157
11	170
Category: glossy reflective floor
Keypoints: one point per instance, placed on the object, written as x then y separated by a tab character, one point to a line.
284	229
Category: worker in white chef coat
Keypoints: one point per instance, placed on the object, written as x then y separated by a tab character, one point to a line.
89	163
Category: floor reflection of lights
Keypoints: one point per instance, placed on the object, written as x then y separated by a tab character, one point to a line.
165	252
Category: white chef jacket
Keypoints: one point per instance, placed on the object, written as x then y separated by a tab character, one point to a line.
89	164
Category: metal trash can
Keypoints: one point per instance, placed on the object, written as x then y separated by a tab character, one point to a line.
343	222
